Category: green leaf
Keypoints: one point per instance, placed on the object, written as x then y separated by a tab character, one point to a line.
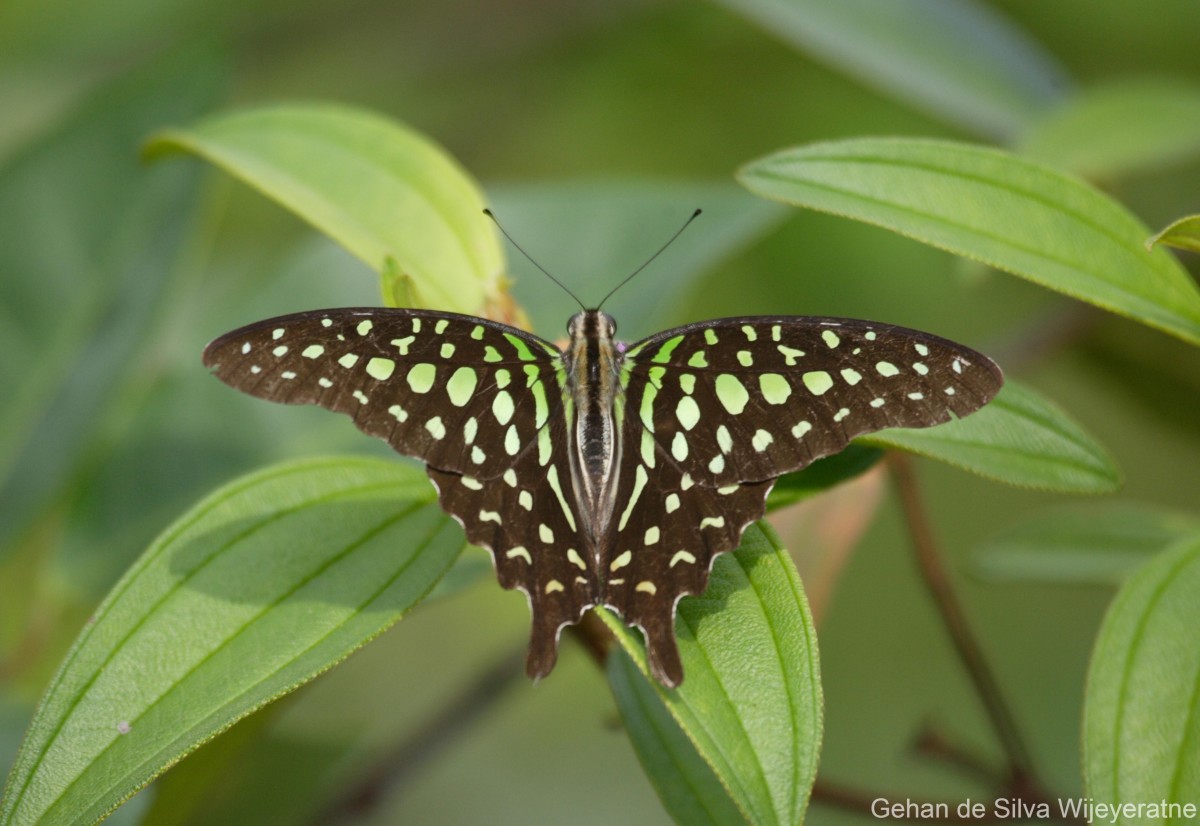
689	789
1092	545
957	60
1141	727
823	474
1011	213
1120	128
1019	438
1183	234
378	188
89	247
750	701
262	586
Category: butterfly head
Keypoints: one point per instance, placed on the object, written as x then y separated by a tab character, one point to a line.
592	324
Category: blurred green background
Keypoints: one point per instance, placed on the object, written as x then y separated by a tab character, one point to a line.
595	129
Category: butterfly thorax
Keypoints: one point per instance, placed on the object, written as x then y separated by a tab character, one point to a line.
593	371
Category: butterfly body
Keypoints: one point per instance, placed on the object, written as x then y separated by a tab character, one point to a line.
593	372
603	474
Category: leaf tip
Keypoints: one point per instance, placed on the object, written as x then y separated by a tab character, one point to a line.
161	144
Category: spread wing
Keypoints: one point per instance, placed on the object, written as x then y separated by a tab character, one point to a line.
480	403
715	412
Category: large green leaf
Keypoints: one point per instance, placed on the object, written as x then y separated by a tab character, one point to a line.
378	188
1120	128
1093	544
1141	731
259	588
1011	213
956	59
750	702
1020	438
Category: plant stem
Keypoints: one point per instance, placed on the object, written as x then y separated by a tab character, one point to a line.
929	560
934	744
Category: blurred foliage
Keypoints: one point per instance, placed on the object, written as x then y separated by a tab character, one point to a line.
594	128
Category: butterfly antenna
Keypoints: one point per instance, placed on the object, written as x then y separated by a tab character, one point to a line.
670	241
521	249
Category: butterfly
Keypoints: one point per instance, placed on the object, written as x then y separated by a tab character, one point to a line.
606	474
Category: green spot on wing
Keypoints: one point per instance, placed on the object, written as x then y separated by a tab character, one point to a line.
436	427
522	348
817	381
688	412
731	392
541	409
461	386
380	369
775	388
663	356
502	407
647	410
421	377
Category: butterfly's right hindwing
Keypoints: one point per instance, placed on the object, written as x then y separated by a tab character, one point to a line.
460	393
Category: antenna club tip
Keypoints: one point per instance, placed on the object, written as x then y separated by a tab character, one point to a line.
488	212
697	212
